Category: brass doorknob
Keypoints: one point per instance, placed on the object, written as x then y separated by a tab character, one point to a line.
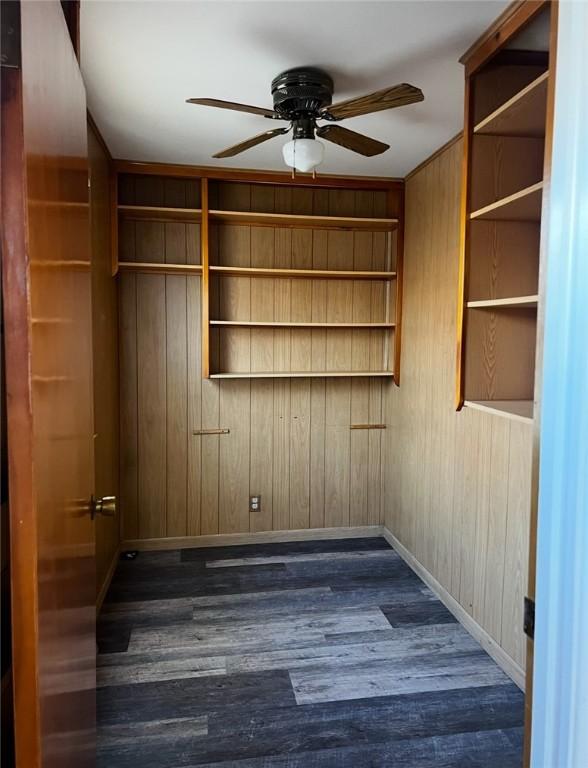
104	506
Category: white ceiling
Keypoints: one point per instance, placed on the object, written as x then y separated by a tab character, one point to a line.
141	60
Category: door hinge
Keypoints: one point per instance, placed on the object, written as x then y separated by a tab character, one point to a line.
529	618
10	34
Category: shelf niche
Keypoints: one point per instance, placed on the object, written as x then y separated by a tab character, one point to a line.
505	157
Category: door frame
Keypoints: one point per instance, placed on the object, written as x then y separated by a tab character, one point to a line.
560	677
19	423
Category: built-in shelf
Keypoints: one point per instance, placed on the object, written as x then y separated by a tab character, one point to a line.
325	274
298	374
301	221
522	115
524	205
272	324
515	302
519	410
157	213
165	269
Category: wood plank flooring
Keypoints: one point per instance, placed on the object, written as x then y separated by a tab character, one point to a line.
323	654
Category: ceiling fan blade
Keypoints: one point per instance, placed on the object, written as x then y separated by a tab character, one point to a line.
387	98
252	142
234	105
356	142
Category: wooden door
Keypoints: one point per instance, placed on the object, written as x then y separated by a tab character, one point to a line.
48	332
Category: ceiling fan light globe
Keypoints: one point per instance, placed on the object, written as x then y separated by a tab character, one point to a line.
303	154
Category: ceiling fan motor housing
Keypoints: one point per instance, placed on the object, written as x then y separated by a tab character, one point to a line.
301	92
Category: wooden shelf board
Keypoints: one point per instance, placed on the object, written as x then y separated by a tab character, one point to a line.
157	213
297	220
515	302
524	205
324	274
519	410
298	374
522	115
276	324
165	269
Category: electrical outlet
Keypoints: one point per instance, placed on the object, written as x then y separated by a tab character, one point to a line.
254	503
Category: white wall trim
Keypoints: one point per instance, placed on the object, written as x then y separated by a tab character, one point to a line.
504	661
263	537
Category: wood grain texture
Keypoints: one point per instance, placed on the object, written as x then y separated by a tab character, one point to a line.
457	495
46	277
289	440
105	367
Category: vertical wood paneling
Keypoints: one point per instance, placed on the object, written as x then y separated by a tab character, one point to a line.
177	405
235	410
194	376
289	441
151	404
458	494
129	459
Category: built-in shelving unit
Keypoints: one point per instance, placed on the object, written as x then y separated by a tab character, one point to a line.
519	410
159	213
305	274
502	203
162	269
298	221
521	302
523	115
524	205
299	374
295	280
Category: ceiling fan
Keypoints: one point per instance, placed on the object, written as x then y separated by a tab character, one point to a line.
303	96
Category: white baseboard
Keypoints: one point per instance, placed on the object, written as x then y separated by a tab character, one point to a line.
512	669
263	537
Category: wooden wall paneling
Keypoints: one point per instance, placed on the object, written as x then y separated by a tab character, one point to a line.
281	457
234	458
129	449
338	451
317	451
360	360
151	404
300	437
482	507
497	519
194	406
210	392
516	544
319	363
177	423
261	481
301	299
458	492
283	301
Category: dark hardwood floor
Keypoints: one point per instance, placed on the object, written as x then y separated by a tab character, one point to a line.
297	655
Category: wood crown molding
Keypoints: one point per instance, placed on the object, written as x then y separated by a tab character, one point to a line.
510	21
252	176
